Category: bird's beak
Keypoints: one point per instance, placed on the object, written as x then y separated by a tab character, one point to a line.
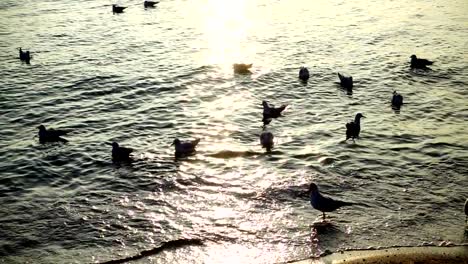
107	143
363	116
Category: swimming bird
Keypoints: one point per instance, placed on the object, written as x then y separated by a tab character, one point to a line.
51	135
266	140
241	68
184	148
24	55
304	74
419	63
354	127
269	111
397	100
149	3
118	9
120	153
322	203
346	81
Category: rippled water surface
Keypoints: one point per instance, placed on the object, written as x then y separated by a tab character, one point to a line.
147	76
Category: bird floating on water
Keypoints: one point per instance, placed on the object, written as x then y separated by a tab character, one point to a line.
397	100
269	111
354	127
150	3
304	74
466	210
242	68
346	81
419	63
51	135
266	140
120	153
117	8
24	55
322	203
184	148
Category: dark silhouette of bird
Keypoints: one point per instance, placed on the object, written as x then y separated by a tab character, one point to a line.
304	74
242	68
120	153
266	140
346	81
149	3
419	63
269	111
117	8
322	203
185	148
24	55
51	135
397	100
353	128
466	210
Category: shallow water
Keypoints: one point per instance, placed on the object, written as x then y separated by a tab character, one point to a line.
145	77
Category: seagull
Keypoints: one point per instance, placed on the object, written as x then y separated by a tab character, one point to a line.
466	209
346	81
51	135
419	63
266	140
118	9
242	68
120	153
184	148
24	55
354	127
304	74
322	203
271	111
397	100
149	3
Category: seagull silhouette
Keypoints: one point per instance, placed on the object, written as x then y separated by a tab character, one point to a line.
353	128
269	111
118	9
51	135
120	153
346	81
149	3
304	74
397	100
184	148
266	140
322	203
419	63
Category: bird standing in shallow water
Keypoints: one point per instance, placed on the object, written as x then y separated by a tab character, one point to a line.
304	74
51	135
419	63
266	140
397	100
120	153
346	81
184	148
322	203
354	128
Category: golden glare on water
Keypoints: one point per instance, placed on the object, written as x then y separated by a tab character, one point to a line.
226	26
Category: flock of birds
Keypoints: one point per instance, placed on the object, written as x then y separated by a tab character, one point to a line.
183	148
119	9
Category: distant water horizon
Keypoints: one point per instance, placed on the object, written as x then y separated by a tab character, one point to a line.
147	76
